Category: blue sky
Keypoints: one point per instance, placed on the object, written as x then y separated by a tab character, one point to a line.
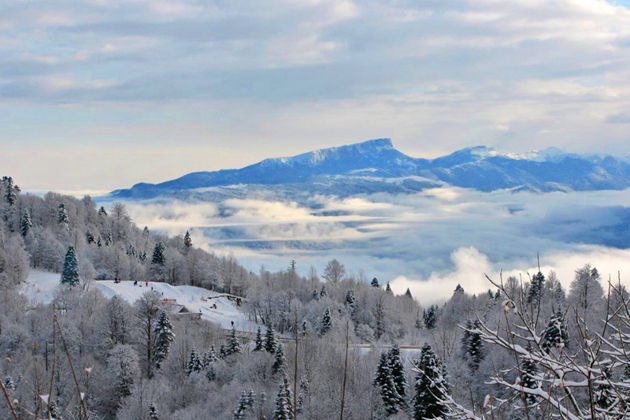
100	94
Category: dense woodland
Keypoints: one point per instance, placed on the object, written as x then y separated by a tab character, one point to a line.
329	346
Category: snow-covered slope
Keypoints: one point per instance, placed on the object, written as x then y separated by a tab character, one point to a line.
40	287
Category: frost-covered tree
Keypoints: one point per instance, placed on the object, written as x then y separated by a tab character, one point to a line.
279	361
209	357
528	375
374	283
158	263
258	341
408	294
122	371
147	311
430	317
334	272
555	334
232	346
271	344
430	387
245	405
164	336
388	288
326	322
536	288
188	241
397	371
70	273
153	413
284	403
386	386
350	303
25	223
473	345
10	190
194	364
62	214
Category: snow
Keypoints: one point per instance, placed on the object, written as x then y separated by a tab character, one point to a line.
40	287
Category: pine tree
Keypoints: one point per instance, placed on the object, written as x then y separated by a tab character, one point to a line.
209	357
99	242
158	261
25	223
258	342
187	241
279	361
351	303
375	283
10	194
245	405
388	289
232	346
397	371
153	414
529	380
70	273
194	364
408	293
430	387
164	336
384	383
555	335
326	323
284	405
271	344
109	240
459	290
102	212
211	373
473	345
62	214
605	396
89	237
536	288
430	317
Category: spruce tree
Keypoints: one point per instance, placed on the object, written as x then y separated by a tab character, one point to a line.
62	214
555	335
408	293
102	212
384	383
430	317
158	261
326	323
430	387
258	342
70	273
528	374
351	303
25	223
459	290
187	241
388	289
397	371
153	414
245	405
474	345
211	373
271	343
375	283
209	357
10	194
284	405
323	292
605	395
89	237
536	288
279	361
194	364
164	336
232	346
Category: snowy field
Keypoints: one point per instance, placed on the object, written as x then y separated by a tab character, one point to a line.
41	286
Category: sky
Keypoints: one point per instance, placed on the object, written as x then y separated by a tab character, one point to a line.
101	94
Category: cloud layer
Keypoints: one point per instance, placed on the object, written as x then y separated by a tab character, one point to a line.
428	241
123	91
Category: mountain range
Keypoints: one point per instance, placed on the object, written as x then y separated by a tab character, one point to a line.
377	166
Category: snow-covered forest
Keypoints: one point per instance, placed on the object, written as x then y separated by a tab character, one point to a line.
328	345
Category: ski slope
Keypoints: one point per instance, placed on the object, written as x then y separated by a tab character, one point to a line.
41	286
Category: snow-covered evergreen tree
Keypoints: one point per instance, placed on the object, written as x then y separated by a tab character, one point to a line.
473	345
528	369
70	272
374	283
397	371
153	413
232	346
245	405
271	343
430	387
536	288
384	383
555	335
209	357
187	241
408	294
194	364
258	342
279	361
62	214
388	288
164	336
10	193
326	323
25	223
158	262
350	303
430	317
283	405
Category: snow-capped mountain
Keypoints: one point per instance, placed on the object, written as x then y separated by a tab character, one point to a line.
375	165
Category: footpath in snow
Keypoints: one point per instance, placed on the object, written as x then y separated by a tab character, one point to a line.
41	286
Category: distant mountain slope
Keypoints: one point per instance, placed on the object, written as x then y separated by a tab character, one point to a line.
371	166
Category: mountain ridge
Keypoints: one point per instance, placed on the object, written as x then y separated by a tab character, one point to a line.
477	167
